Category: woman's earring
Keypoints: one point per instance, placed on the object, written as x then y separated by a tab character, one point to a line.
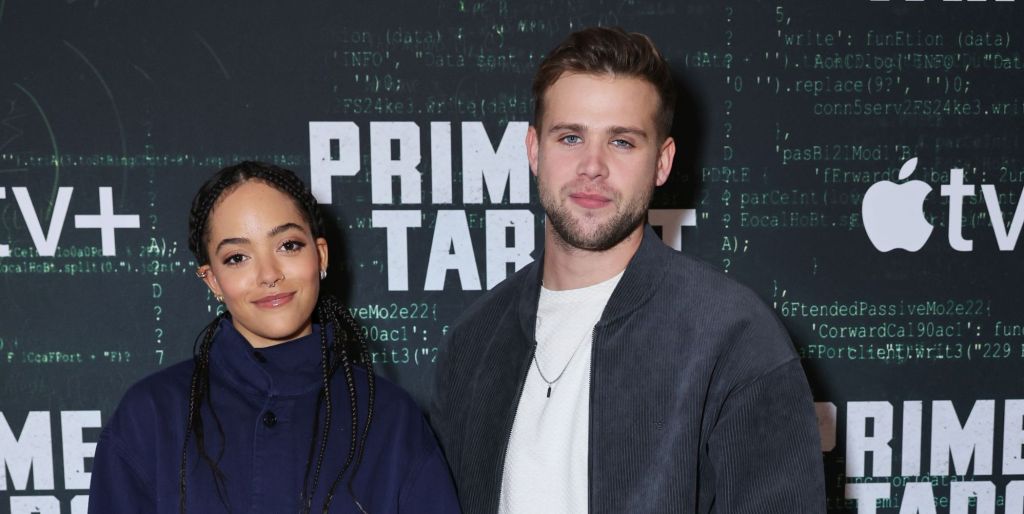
219	298
323	274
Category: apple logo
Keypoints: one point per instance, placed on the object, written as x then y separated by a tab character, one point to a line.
893	213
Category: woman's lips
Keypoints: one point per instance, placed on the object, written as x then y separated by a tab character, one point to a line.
274	300
590	201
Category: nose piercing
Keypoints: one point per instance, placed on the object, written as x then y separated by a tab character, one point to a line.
274	283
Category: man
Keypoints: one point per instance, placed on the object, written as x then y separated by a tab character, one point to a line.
615	374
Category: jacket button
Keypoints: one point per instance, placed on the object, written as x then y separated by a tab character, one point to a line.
269	419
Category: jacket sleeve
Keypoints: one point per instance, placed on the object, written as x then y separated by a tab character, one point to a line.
429	488
117	485
439	413
765	450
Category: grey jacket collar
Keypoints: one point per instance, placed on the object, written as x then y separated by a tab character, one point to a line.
641	279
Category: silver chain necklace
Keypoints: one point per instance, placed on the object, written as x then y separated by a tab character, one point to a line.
579	345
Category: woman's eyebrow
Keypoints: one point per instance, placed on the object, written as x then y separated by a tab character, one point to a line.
273	232
231	241
283	227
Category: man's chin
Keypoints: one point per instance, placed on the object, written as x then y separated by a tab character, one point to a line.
594	238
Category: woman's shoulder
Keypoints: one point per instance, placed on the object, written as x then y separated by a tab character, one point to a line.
157	400
172	382
389	396
395	413
408	469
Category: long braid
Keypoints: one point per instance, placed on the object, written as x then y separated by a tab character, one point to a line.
357	444
193	401
199	387
306	502
367	362
342	358
325	395
199	427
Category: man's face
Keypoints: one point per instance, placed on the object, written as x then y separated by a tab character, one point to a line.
597	157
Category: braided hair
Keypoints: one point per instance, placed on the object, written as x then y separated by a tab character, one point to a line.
345	350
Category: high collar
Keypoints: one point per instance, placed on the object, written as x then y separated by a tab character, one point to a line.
285	369
642	277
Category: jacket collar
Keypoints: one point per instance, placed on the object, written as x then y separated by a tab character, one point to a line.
641	279
285	369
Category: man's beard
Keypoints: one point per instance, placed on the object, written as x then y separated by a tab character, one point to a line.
605	236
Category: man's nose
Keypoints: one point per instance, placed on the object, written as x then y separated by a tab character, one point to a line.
594	163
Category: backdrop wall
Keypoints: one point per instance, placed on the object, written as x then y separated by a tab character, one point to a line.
407	118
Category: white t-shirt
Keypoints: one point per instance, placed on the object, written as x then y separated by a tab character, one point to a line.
546	463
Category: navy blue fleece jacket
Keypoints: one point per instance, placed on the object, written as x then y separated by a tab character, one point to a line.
265	400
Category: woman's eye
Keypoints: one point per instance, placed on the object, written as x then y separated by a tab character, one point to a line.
234	259
292	246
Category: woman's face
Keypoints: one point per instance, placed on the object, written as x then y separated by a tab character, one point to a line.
265	262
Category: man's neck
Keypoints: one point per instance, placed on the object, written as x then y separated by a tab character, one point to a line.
566	267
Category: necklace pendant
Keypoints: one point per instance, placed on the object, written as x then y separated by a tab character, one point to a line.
549	391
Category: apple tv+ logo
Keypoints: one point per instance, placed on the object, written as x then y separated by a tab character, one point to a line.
894	217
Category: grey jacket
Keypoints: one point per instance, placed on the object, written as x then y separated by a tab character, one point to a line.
698	402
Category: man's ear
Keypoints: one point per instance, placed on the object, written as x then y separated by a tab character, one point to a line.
532	149
666	155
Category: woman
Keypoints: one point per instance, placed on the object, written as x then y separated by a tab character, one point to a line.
279	410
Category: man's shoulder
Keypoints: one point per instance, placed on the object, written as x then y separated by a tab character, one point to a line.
702	284
710	299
